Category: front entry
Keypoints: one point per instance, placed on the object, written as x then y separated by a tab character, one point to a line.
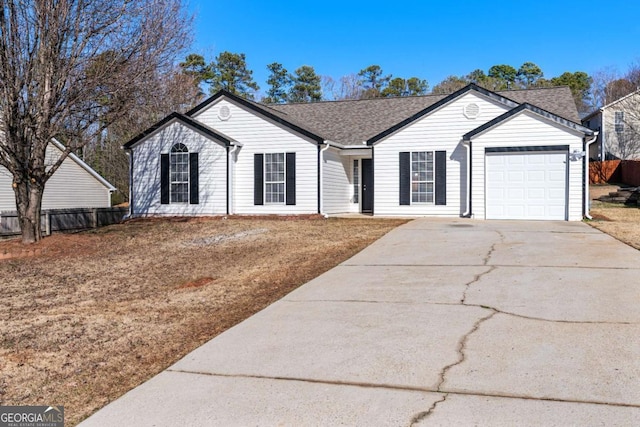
367	186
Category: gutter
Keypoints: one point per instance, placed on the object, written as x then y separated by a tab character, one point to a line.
603	127
327	144
586	174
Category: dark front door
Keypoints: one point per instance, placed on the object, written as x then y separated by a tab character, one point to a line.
367	186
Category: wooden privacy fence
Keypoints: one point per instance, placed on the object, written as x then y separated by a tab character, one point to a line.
65	219
630	172
615	171
604	172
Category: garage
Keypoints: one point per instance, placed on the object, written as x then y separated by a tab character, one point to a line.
526	183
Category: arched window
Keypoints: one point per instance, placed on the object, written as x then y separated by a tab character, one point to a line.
179	173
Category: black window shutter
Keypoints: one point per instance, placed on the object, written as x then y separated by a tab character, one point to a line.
194	198
405	178
291	178
258	179
441	177
164	179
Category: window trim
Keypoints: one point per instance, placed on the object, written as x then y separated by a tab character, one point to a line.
183	151
618	121
355	173
283	182
432	181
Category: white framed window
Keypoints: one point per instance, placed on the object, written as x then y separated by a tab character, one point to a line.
422	177
619	121
274	178
179	174
356	181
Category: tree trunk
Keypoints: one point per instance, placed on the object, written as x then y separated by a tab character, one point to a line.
28	204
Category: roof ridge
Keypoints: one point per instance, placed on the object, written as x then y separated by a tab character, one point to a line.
534	88
382	98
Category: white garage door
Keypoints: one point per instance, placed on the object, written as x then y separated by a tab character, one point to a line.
526	185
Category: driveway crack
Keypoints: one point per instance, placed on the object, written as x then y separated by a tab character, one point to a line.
462	345
493	248
476	278
422	415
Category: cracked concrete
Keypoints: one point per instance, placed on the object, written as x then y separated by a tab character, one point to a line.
421	416
462	344
441	322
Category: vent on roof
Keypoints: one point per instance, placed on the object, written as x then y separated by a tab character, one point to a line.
224	113
471	110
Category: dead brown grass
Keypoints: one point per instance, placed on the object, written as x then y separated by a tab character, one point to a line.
619	221
97	313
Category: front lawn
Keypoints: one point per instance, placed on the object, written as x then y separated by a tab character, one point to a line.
86	317
617	220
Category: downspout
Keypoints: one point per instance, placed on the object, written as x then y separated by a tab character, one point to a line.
586	174
467	145
603	128
231	152
320	168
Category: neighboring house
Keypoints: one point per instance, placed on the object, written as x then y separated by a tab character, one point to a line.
73	185
618	124
476	153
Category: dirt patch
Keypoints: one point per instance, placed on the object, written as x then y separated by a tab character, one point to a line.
94	314
595	191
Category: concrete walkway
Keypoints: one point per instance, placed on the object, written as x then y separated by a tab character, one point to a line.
441	322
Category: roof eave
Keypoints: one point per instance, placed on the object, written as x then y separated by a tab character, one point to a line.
527	107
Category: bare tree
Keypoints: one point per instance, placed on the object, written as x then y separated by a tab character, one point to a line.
627	143
69	69
622	120
348	87
164	92
622	125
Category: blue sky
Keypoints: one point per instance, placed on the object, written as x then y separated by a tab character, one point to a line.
426	39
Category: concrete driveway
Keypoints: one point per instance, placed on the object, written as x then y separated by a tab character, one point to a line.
441	322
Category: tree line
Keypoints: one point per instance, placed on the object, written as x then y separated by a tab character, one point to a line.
229	71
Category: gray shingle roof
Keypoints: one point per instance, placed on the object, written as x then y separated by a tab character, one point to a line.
352	122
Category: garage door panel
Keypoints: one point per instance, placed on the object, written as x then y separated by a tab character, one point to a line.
557	195
535	161
516	176
535	193
533	176
514	160
526	185
515	194
557	176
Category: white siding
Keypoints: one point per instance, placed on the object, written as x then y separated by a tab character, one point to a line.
258	135
212	179
526	129
71	186
595	149
441	130
7	197
337	190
